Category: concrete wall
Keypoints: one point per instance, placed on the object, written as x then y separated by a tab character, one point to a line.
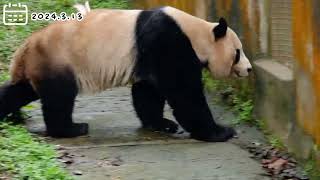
281	31
306	35
291	105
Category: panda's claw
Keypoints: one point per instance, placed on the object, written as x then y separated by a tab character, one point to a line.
166	126
170	126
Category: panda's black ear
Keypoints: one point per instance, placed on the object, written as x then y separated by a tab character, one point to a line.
221	29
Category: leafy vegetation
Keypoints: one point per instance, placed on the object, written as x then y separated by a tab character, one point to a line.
276	142
4	76
238	94
311	166
23	156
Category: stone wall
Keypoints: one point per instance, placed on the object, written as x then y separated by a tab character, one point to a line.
294	42
306	35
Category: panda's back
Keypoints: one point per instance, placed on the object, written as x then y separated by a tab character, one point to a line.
102	49
99	49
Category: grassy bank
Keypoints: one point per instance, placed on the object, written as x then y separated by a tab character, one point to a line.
236	93
22	155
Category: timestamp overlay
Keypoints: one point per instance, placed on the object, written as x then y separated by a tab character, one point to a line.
17	14
63	16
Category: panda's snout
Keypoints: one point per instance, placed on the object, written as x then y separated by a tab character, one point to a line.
242	69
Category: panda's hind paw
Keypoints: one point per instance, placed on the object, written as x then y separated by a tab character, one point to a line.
77	129
80	129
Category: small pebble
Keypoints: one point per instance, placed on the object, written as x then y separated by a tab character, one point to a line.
256	143
77	172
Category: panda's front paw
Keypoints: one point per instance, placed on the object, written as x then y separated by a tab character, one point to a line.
169	126
166	125
219	134
80	129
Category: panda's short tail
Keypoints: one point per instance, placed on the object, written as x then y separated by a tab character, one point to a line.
83	9
13	96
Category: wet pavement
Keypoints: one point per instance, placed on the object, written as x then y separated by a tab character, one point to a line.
117	149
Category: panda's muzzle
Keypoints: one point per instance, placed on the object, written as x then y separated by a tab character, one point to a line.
237	73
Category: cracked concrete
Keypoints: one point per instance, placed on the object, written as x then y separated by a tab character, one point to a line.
117	149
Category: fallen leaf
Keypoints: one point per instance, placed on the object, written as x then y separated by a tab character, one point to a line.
269	161
278	164
67	161
62	153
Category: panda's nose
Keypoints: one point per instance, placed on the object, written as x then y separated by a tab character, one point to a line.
249	70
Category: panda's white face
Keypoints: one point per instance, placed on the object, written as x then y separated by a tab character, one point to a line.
241	66
227	57
217	46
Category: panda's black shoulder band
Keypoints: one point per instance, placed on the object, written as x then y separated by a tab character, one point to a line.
205	64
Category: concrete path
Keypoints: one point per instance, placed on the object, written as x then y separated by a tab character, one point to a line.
117	149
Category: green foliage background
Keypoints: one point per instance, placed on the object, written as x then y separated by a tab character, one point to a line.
236	93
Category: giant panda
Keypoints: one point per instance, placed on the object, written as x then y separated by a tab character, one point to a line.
161	52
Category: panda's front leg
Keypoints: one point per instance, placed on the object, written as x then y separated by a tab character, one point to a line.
149	106
191	110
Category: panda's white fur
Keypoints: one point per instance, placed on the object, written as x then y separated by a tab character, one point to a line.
100	53
107	53
100	48
199	37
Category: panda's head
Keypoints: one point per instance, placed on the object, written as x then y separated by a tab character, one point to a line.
226	56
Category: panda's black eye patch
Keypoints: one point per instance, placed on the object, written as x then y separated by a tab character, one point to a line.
237	59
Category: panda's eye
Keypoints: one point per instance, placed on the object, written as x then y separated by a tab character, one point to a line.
237	58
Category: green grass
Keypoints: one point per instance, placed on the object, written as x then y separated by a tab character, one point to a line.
312	169
236	93
23	156
4	76
312	165
276	142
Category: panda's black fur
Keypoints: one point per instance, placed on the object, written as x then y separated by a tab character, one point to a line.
170	69
166	69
